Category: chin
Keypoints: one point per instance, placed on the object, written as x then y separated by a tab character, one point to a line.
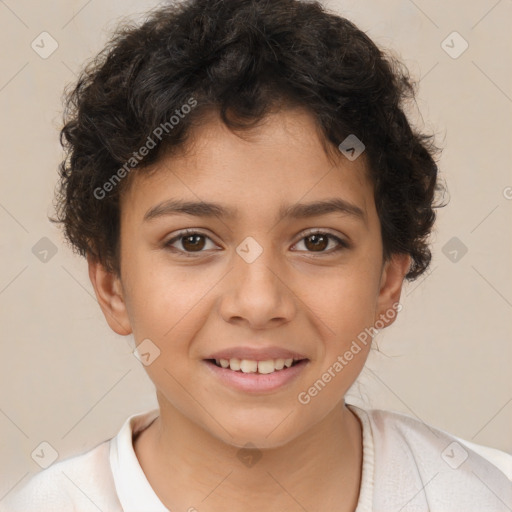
268	434
257	440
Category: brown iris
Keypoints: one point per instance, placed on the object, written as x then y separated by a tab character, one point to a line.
319	242
193	242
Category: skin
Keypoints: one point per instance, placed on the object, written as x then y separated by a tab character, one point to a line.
313	302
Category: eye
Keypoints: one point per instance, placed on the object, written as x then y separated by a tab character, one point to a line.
318	241
191	242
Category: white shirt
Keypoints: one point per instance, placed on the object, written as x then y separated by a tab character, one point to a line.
408	466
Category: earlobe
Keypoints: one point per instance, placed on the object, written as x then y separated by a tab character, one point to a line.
391	283
109	293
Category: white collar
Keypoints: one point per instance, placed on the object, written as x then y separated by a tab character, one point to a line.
133	489
135	492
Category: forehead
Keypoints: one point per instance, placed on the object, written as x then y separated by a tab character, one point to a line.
280	162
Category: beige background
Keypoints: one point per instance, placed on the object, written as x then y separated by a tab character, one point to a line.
68	380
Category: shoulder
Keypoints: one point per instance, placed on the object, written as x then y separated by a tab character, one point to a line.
83	483
421	467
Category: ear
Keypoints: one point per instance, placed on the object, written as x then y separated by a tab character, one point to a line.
109	292
392	278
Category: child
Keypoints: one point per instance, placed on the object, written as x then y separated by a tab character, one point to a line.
250	197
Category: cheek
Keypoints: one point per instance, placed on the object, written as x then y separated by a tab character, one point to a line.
164	301
347	311
345	301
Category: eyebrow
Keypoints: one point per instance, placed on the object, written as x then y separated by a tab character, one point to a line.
296	211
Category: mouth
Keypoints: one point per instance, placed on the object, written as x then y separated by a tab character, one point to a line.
266	367
256	377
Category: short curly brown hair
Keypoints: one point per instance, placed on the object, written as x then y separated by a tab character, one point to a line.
240	58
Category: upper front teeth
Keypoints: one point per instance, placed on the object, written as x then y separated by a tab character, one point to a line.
249	366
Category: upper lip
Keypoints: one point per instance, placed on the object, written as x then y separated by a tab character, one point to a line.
256	354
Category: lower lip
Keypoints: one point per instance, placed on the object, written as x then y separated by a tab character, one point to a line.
257	382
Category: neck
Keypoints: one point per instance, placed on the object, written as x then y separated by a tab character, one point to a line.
188	466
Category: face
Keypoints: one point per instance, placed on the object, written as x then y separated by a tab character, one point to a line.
262	275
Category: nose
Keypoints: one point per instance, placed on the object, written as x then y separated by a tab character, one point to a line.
258	292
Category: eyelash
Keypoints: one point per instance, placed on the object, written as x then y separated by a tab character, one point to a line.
342	244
